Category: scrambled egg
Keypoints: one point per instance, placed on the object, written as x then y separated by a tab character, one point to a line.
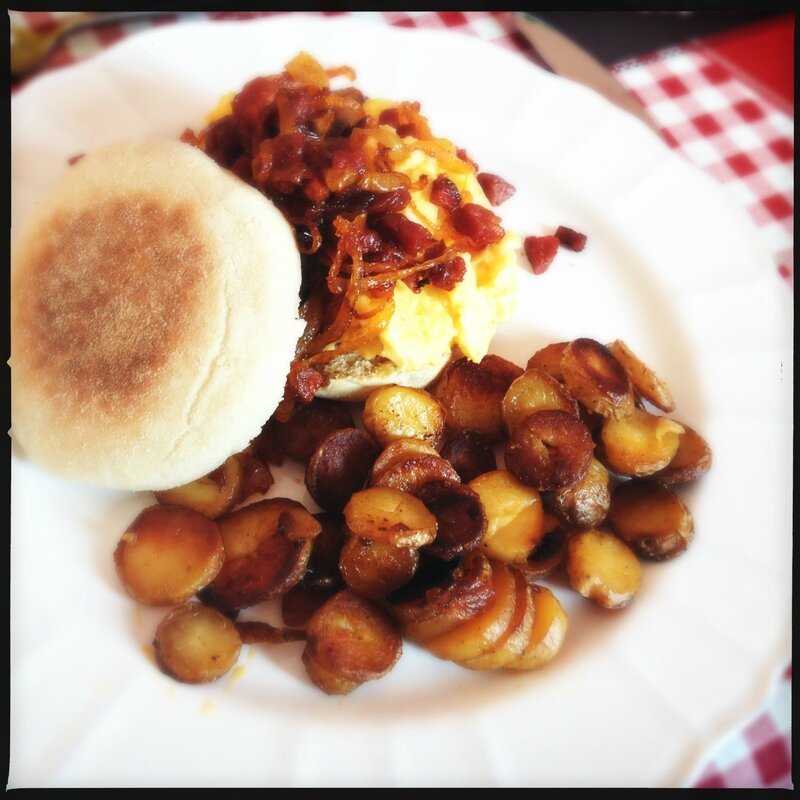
429	323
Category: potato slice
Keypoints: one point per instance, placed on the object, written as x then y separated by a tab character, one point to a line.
167	554
513	643
466	592
212	495
549	450
391	516
472	395
548	359
653	521
460	518
267	549
550	624
340	466
350	640
374	569
322	573
514	515
470	453
585	503
412	472
482	633
535	390
640	445
691	460
595	378
645	382
196	644
396	451
397	412
603	568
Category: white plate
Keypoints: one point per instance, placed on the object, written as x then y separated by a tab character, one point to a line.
634	698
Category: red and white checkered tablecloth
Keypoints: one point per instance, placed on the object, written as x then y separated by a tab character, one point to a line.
717	119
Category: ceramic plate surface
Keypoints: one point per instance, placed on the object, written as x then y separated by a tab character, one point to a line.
635	698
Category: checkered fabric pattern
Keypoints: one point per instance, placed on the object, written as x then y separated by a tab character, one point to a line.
712	118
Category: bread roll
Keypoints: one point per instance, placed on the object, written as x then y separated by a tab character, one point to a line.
153	317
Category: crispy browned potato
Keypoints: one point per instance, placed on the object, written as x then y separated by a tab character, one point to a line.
472	395
595	378
391	516
535	390
585	503
350	640
410	473
460	518
603	568
653	521
196	644
550	623
470	453
213	494
167	554
402	412
340	466
645	382
692	459
483	632
548	359
398	450
267	548
307	426
549	450
374	569
514	515
513	643
640	445
466	591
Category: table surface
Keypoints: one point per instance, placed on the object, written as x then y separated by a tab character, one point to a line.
720	88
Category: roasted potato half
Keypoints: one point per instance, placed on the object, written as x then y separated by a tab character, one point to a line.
603	568
350	640
639	445
596	379
535	390
196	644
549	450
550	624
212	495
374	569
402	412
472	395
514	515
267	548
645	382
585	503
653	521
167	554
339	466
391	516
691	460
